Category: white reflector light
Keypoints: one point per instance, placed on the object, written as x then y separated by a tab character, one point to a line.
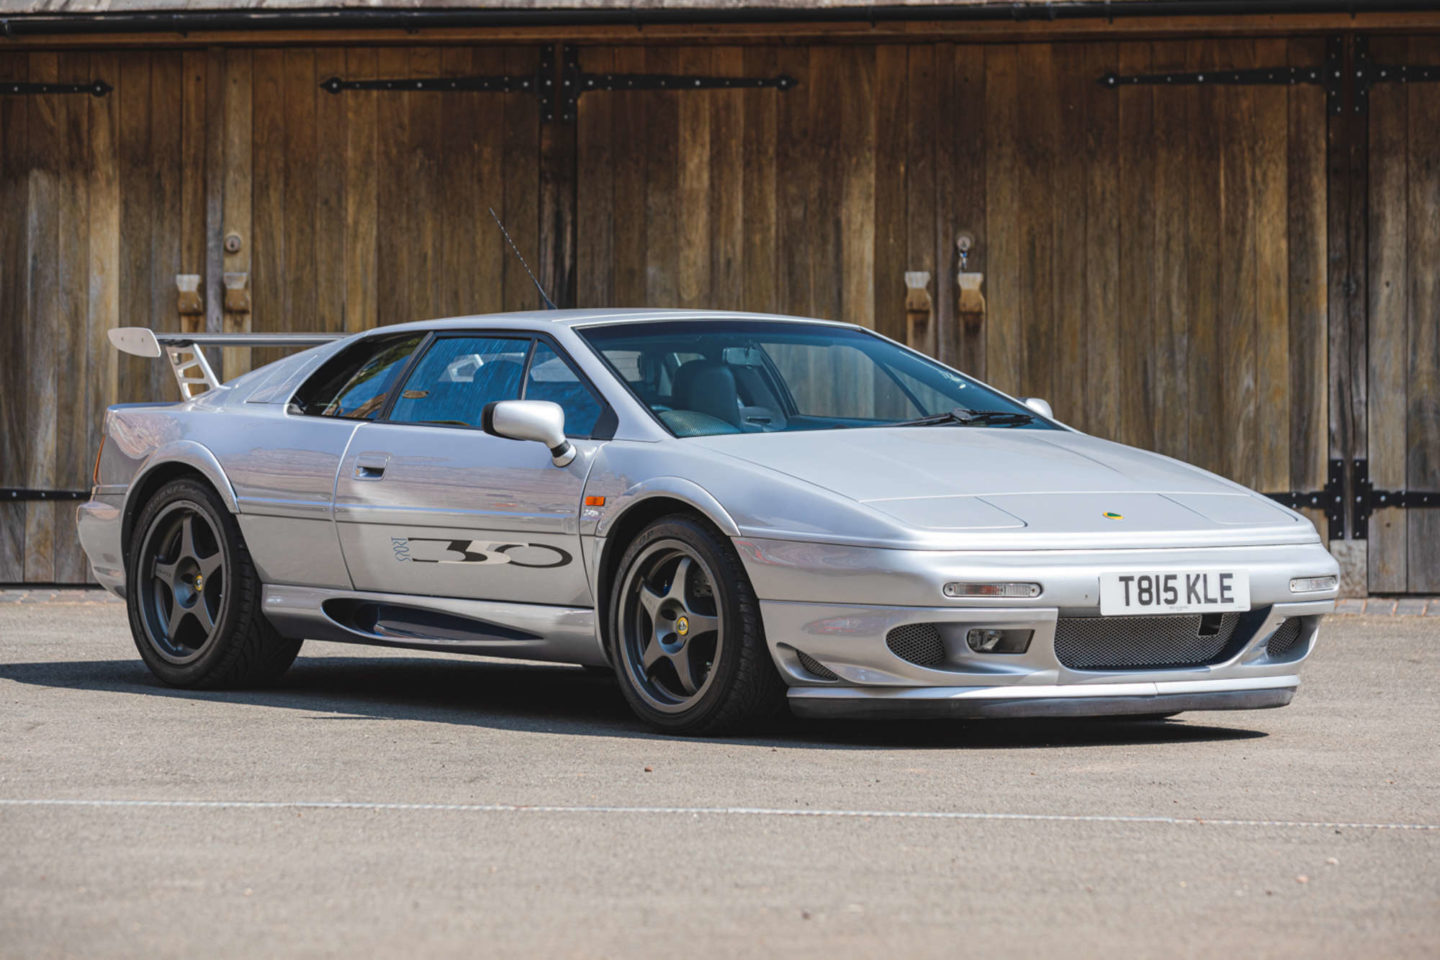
1312	584
992	590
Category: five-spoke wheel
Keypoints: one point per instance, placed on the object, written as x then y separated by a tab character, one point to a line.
194	595
685	633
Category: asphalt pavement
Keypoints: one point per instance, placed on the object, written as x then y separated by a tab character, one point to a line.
398	804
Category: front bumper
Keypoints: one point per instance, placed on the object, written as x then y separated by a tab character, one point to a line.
834	654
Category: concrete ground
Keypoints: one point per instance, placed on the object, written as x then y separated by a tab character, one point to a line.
383	804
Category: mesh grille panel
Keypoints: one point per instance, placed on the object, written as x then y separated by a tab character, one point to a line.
815	666
919	643
1128	643
1284	638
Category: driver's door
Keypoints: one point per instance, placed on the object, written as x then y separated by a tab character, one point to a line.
428	504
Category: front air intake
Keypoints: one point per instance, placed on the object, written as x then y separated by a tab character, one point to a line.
917	643
815	667
1143	643
1284	639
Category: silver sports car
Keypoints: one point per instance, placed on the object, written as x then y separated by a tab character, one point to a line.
731	511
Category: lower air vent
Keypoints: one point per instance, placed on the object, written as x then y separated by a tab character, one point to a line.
918	643
1283	640
1138	643
815	666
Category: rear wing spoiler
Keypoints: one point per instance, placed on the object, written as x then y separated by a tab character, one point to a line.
193	372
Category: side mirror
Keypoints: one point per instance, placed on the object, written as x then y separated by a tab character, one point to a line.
538	420
1039	406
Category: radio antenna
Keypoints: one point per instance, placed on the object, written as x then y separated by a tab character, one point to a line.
549	304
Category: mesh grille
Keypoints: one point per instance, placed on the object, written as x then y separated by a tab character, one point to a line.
1128	643
919	643
1284	638
815	666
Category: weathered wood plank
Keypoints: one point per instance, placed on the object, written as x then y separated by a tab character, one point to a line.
268	247
662	185
1206	447
793	131
73	453
330	185
888	279
1101	409
1071	85
1004	279
1171	332
1423	429
237	196
920	214
103	301
1271	469
629	147
857	145
966	208
422	199
41	317
557	212
489	139
521	211
1389	345
762	108
824	172
1306	210
596	157
1135	363
693	184
361	162
301	153
14	277
1237	271
942	237
727	183
163	186
459	266
393	253
194	131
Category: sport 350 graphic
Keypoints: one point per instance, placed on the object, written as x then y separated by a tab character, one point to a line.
536	556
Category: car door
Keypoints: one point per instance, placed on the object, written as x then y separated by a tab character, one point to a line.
282	459
428	504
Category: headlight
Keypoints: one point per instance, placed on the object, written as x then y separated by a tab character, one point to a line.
1313	584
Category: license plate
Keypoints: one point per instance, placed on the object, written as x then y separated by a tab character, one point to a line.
1188	591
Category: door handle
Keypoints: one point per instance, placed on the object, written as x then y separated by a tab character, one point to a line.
370	466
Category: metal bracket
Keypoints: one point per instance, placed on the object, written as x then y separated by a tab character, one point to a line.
1368	73
1331	499
541	83
1368	499
96	88
575	82
22	494
1327	74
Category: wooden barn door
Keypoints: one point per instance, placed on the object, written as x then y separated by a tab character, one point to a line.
362	207
1403	411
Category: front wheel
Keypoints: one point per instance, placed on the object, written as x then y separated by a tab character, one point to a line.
685	633
194	597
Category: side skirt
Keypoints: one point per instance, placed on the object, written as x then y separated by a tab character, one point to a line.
527	631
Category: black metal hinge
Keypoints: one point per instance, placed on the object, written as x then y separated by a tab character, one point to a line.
541	83
1368	499
1329	74
96	88
24	494
1368	73
1331	499
575	82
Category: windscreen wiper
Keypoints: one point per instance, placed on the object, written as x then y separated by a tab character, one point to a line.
964	417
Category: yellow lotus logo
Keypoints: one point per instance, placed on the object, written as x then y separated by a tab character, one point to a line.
682	626
1112	515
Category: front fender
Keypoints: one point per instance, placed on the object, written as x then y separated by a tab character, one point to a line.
674	488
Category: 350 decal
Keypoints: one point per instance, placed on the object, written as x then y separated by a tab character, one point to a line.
535	556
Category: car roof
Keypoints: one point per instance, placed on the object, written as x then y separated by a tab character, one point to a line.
540	319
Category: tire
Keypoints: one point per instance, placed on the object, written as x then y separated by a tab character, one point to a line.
194	597
681	600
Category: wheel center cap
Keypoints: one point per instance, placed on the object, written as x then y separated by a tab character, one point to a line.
682	626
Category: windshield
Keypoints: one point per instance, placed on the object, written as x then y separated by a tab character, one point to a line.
752	376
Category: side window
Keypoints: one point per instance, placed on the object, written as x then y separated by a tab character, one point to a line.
355	382
552	378
458	376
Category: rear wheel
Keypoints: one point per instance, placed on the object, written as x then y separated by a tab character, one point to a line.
685	633
194	597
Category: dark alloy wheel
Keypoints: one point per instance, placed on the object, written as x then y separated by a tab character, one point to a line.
194	597
685	633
